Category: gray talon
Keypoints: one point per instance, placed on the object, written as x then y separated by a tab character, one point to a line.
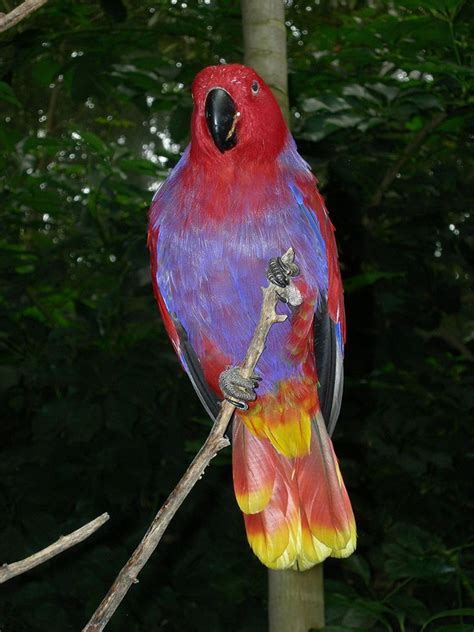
238	389
237	404
290	269
280	273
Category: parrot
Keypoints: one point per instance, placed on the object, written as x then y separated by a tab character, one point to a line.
238	198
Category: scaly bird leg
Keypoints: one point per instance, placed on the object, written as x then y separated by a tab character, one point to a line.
236	389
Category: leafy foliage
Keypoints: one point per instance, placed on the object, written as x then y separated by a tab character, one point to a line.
95	107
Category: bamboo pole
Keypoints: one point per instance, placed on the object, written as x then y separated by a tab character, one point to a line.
264	32
295	599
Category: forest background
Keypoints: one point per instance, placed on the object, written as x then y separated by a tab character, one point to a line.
96	414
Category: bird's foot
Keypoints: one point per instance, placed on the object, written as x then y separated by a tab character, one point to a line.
280	273
238	390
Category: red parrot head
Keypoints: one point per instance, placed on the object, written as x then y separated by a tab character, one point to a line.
235	115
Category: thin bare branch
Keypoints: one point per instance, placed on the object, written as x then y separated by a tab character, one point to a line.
7	571
214	442
19	13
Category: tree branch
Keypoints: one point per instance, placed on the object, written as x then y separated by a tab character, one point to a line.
19	13
7	571
409	150
214	442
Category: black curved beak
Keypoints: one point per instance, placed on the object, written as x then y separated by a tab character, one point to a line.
221	118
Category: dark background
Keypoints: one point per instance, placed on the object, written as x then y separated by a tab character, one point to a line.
96	414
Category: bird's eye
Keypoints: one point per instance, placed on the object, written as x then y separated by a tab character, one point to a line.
255	87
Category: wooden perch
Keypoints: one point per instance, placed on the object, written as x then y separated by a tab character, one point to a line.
214	442
7	571
7	20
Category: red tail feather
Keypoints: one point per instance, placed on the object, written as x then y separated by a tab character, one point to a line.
307	515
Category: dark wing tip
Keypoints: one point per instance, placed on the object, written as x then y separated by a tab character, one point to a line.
329	365
208	398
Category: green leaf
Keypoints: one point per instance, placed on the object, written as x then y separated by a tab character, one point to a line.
409	607
94	142
319	126
425	101
7	94
415	124
329	102
344	120
340	628
368	278
358	565
25	269
389	92
45	71
360	92
140	166
459	612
